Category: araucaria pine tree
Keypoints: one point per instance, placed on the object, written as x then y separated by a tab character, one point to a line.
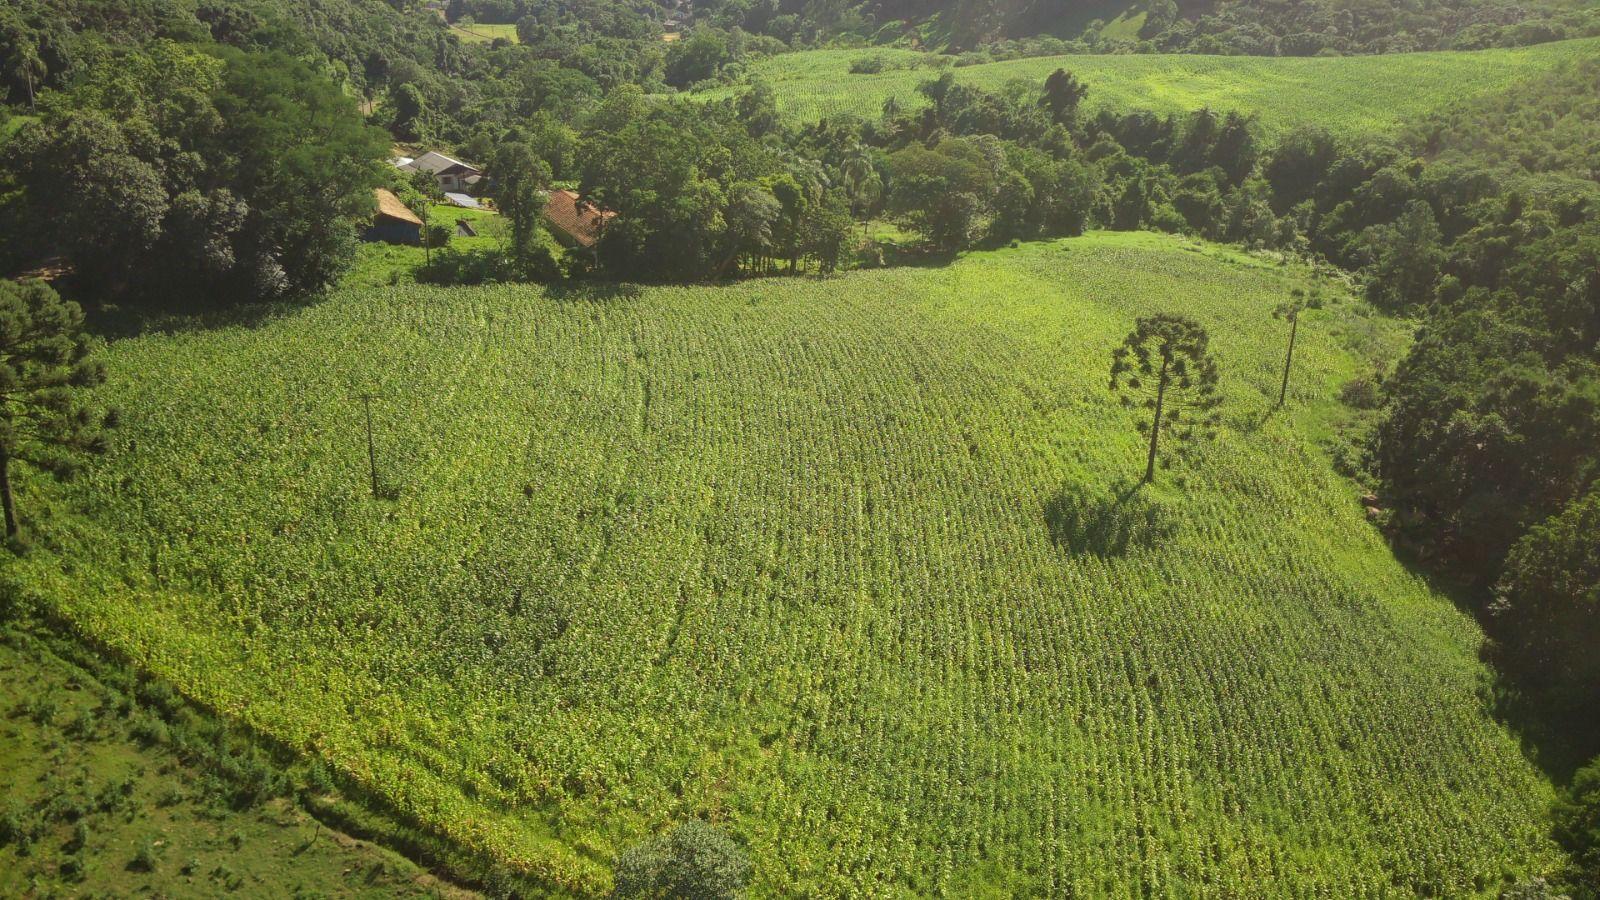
45	365
1164	367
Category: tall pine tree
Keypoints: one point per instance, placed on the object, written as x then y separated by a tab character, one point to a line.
45	365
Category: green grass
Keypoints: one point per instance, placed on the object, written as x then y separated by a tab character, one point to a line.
1125	27
1351	95
379	264
103	813
483	34
12	124
797	556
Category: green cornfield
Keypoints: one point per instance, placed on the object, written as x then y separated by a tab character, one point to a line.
1350	96
851	566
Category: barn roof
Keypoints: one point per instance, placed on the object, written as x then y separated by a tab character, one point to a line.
435	163
390	205
580	221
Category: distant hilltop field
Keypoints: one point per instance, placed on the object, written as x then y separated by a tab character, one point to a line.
1348	95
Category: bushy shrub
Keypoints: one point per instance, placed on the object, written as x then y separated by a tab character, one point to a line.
694	861
1577	824
1363	392
439	235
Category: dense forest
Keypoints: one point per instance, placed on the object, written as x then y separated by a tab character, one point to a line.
213	153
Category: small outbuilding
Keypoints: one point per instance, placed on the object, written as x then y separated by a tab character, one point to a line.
465	229
393	223
462	200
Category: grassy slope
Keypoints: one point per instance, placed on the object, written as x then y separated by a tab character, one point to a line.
1125	27
781	554
483	34
93	799
1351	95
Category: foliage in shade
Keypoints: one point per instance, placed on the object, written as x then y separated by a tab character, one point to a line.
45	365
1548	606
191	174
1577	818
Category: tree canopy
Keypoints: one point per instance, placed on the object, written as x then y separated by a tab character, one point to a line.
45	365
208	175
1165	368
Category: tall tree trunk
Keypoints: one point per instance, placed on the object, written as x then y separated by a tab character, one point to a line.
1294	326
5	496
1155	423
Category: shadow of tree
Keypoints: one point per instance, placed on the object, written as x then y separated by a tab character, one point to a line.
592	291
1251	423
114	322
1554	735
1106	524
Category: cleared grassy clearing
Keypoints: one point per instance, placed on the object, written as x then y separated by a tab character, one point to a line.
1350	95
483	34
103	811
841	564
379	264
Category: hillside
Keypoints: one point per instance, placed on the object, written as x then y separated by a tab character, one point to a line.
1243	27
807	558
98	804
1347	95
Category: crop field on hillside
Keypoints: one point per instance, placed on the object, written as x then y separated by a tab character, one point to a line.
851	566
1350	95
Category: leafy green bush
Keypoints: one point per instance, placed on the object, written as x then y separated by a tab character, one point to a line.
1577	818
694	861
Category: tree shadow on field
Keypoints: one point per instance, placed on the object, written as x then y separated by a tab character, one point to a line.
1250	423
1544	726
127	320
592	291
1106	524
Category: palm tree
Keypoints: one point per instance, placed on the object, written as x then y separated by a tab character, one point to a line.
30	67
861	181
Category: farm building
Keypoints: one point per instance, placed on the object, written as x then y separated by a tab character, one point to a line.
575	223
452	174
393	223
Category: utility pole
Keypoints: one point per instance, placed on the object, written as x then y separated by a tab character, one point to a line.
372	453
1288	360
